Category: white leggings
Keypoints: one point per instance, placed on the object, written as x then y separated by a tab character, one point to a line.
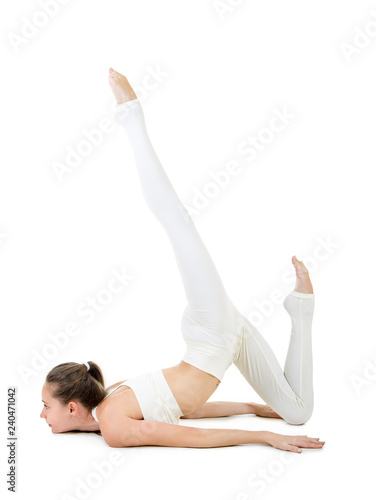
215	332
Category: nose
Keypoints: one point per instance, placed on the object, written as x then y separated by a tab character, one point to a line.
41	414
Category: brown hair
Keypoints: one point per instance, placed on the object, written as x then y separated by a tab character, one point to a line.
73	381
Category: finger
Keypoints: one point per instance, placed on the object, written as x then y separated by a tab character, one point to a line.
315	440
311	443
274	414
289	447
306	442
318	444
296	449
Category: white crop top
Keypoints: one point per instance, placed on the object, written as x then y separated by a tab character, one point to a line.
154	397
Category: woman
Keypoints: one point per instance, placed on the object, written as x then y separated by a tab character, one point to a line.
145	410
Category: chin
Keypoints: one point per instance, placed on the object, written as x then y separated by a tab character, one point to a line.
56	431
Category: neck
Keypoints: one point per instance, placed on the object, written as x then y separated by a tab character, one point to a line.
89	425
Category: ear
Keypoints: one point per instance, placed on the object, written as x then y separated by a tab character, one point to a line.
73	407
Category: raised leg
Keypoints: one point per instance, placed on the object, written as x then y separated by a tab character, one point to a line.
203	286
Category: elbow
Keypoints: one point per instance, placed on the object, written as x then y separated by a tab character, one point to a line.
112	444
113	441
118	443
115	445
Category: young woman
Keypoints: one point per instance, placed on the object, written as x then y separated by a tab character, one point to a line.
145	410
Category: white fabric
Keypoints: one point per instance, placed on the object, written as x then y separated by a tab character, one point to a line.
154	397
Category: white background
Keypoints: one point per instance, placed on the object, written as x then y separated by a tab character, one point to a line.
224	67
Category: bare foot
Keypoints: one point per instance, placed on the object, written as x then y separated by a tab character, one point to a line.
303	283
120	87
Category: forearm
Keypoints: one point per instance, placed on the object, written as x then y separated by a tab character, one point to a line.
216	409
214	438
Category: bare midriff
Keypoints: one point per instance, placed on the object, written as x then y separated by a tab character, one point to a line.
190	386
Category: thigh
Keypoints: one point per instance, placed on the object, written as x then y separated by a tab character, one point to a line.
211	345
219	328
258	364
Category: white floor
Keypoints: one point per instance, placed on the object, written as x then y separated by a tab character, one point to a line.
83	466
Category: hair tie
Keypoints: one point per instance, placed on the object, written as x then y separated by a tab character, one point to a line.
87	365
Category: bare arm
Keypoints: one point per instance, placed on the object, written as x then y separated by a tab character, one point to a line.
152	433
215	409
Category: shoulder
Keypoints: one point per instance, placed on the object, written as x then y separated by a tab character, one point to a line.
114	385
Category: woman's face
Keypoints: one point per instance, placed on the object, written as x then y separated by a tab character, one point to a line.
57	416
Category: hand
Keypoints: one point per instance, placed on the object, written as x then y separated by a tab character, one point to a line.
291	443
264	411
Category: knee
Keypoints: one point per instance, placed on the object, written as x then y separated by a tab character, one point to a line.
299	417
297	421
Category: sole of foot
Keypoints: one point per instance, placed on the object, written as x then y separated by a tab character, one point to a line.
303	283
120	86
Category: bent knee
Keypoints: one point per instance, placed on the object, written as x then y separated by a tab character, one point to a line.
299	417
297	421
